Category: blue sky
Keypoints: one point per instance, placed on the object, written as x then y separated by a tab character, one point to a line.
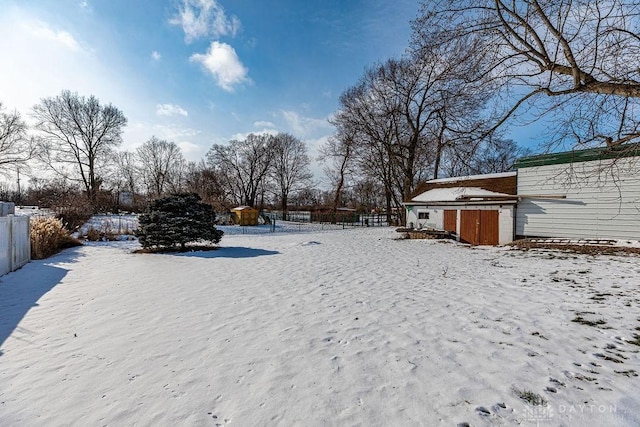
199	72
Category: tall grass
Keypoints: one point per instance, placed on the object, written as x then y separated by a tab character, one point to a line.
48	237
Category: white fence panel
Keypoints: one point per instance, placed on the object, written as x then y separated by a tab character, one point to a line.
5	245
15	245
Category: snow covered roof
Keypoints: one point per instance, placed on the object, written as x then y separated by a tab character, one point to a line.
495	185
453	194
470	177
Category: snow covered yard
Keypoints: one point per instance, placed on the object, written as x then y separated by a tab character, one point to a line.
346	327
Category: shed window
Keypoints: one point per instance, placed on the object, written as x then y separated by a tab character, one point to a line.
423	215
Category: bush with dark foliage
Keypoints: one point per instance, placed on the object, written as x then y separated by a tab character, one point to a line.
176	220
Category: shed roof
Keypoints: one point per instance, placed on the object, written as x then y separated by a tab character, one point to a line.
454	194
504	183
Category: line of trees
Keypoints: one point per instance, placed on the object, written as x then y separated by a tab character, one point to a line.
77	138
271	166
419	117
471	69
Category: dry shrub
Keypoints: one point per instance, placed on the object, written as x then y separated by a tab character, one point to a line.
94	235
48	237
104	233
74	216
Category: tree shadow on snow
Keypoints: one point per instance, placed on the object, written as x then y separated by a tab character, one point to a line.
228	252
21	290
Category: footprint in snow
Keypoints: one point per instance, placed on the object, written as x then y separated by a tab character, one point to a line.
311	243
483	411
499	406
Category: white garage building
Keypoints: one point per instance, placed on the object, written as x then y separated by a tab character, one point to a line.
477	209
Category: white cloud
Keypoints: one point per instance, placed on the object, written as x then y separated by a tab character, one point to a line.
313	150
202	18
170	110
189	148
263	124
173	132
315	144
43	31
224	65
192	141
155	55
314	132
305	126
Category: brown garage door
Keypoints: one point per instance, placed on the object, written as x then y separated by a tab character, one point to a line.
450	221
489	233
479	227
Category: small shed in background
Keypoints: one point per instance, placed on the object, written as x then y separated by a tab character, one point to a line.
245	215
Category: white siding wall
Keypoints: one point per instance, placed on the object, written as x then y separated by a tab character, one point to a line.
15	247
436	217
602	200
412	216
505	224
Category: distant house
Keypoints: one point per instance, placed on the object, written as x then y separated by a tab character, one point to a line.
478	209
125	198
586	194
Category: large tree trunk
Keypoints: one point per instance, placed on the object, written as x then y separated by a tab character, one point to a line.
285	201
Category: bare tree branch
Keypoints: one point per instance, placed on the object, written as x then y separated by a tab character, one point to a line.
558	49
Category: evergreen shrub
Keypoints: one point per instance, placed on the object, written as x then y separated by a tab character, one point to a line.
172	222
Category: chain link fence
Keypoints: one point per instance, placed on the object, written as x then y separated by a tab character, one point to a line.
306	221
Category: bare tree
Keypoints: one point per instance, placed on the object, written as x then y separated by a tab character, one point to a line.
492	155
308	197
161	165
370	115
339	157
243	165
403	114
125	173
290	169
497	155
575	61
368	194
15	147
208	183
79	133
